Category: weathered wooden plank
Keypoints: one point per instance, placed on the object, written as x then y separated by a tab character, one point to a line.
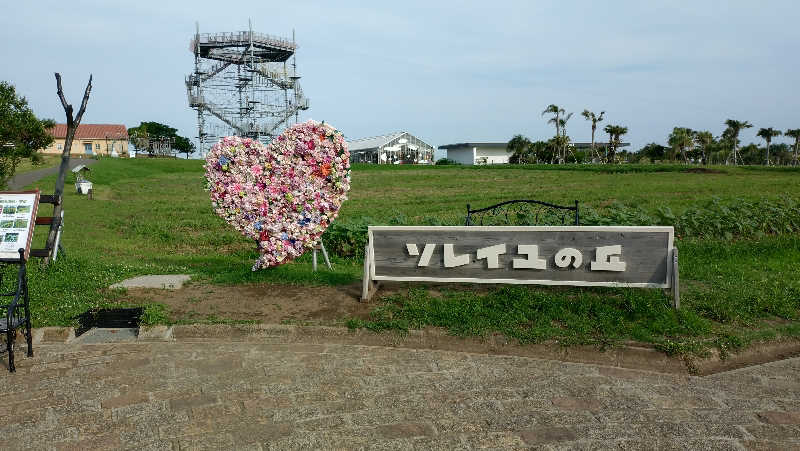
49	199
399	253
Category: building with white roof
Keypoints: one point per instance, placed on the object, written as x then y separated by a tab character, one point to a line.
394	148
471	153
478	153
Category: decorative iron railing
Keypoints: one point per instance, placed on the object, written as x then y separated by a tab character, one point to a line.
522	212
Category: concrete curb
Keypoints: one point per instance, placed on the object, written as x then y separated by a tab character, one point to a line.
630	355
52	335
155	333
635	356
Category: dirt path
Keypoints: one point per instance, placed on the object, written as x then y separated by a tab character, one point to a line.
271	303
263	303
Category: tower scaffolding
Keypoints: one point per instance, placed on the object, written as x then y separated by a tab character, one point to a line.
242	85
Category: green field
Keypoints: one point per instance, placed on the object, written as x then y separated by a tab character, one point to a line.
47	161
740	250
443	191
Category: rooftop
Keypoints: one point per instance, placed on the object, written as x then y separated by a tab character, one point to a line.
577	145
475	144
596	144
228	46
372	142
92	131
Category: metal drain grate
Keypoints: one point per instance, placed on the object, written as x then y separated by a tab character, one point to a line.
118	318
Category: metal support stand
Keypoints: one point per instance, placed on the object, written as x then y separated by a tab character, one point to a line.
17	312
320	246
57	245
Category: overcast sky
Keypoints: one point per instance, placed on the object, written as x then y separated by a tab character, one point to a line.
446	72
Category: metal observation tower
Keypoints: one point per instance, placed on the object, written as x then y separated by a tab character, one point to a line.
242	85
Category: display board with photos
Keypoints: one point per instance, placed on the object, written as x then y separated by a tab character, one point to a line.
17	218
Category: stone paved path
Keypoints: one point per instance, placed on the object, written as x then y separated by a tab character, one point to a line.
208	394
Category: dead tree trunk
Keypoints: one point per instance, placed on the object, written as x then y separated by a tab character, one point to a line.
72	126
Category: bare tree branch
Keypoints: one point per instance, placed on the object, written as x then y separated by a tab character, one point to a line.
85	100
64	103
72	126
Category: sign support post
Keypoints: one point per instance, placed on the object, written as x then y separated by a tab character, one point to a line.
17	220
368	286
676	293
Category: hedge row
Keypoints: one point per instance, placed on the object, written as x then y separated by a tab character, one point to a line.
713	219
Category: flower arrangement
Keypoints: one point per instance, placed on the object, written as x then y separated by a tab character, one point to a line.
282	195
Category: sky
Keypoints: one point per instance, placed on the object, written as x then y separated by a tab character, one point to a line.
445	71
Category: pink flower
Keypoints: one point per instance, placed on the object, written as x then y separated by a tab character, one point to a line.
280	188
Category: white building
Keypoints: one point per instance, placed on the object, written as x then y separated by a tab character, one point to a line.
478	153
395	148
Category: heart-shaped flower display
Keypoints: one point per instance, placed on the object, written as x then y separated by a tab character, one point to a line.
284	194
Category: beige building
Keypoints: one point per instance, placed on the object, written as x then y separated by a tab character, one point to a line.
90	140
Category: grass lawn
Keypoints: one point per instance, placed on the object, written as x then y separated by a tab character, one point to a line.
153	217
48	161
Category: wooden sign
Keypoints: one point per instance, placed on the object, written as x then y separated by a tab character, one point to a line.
578	256
17	218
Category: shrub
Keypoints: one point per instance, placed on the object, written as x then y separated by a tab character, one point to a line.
446	161
735	218
717	219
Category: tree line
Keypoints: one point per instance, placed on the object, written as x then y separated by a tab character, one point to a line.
159	140
683	144
702	147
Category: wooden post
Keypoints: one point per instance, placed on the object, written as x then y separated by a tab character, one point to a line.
368	286
365	281
676	293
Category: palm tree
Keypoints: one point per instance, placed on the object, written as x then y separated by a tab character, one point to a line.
565	139
682	139
519	146
615	133
704	140
732	132
556	120
590	116
767	134
794	133
557	112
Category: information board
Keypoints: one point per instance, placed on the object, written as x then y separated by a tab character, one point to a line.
642	257
17	218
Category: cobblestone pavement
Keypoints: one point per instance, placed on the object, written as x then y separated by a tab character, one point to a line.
252	395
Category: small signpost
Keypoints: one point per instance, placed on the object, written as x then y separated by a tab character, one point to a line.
82	183
17	219
642	257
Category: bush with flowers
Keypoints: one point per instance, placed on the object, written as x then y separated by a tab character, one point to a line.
284	194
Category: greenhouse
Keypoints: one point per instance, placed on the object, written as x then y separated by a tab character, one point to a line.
395	148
